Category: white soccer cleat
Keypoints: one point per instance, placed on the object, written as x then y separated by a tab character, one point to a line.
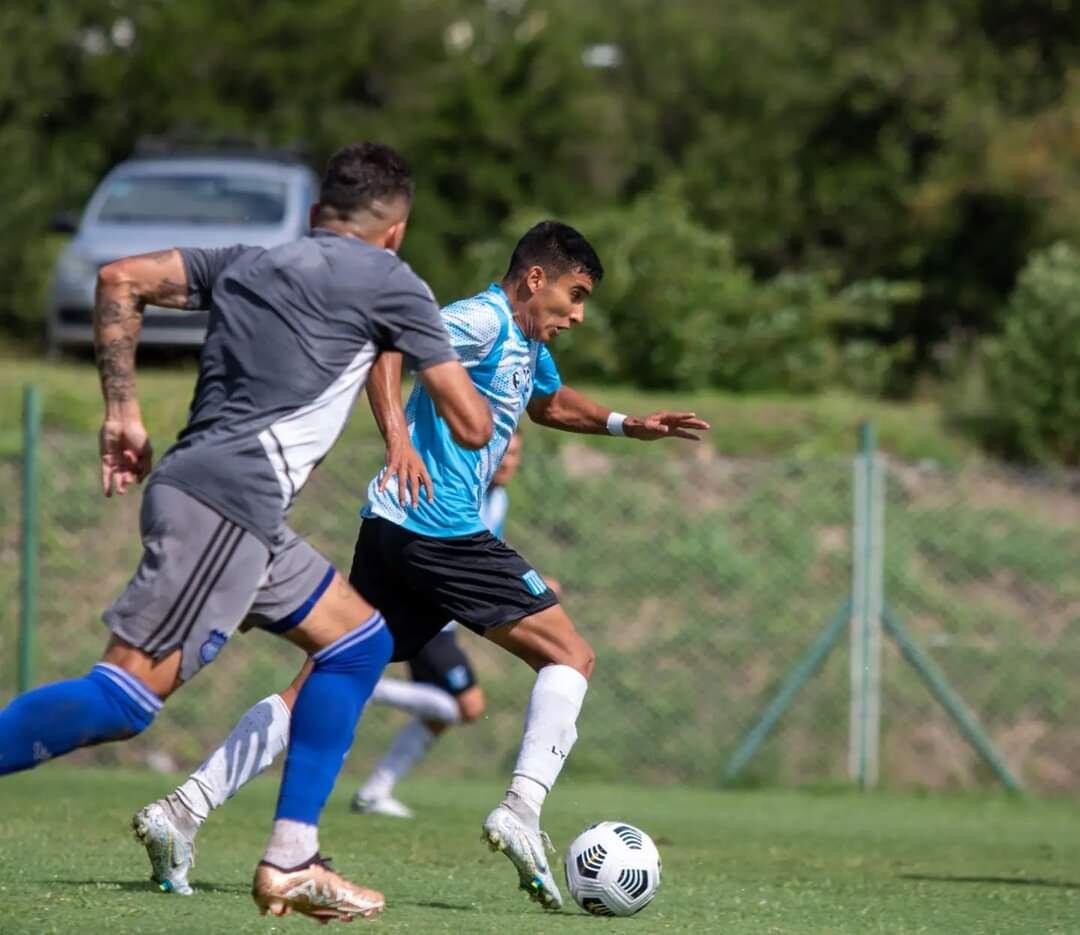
171	853
527	850
314	890
387	805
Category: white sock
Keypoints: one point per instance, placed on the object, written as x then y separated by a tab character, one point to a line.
423	701
550	732
259	736
292	844
410	746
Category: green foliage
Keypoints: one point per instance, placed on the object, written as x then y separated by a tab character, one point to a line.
677	310
1033	368
816	146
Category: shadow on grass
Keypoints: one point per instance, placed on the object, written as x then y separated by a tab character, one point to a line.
145	886
435	904
1007	881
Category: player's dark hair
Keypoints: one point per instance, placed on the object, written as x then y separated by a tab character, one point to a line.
557	249
360	174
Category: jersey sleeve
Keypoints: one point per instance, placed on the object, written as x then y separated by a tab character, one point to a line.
546	380
475	328
406	318
203	267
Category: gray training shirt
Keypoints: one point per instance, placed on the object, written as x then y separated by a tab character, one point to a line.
293	332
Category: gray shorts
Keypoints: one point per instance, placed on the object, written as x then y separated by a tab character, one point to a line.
202	577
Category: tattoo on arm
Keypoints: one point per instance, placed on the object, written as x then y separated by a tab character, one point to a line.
172	294
116	366
117	322
124	288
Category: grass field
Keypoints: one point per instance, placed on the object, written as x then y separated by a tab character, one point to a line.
737	862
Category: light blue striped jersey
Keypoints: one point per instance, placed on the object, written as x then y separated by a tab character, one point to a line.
508	369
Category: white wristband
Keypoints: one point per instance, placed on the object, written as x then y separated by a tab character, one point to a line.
615	423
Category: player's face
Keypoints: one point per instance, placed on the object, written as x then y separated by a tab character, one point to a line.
509	464
556	304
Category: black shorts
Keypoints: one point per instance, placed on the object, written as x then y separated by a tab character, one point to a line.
421	583
443	663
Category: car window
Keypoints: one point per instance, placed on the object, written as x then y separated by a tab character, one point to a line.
193	199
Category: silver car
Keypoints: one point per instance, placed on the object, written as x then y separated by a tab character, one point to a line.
161	201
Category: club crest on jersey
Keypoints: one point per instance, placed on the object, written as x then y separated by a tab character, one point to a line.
212	646
521	380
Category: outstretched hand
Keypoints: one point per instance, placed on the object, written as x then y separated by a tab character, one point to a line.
404	462
666	424
126	454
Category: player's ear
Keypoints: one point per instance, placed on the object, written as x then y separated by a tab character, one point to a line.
395	235
535	279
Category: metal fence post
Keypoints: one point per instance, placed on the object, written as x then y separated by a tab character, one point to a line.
866	599
804	670
28	581
939	687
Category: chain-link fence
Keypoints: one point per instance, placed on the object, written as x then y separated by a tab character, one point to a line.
700	580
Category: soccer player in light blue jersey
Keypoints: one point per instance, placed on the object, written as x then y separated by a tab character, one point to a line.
431	560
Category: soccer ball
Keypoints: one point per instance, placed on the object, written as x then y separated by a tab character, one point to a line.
612	869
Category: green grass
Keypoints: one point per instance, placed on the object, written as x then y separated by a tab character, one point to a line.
800	427
760	863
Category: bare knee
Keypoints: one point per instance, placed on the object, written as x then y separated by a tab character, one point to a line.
546	639
582	657
472	704
161	676
573	650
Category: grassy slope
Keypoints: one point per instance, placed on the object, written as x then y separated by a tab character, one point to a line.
756	863
718	596
798	426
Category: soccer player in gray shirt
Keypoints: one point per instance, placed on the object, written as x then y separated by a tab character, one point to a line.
293	332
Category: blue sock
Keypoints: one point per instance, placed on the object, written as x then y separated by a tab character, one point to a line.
105	704
325	715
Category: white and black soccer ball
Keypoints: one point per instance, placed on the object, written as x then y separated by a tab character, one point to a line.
612	869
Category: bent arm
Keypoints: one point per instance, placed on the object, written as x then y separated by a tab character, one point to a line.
466	412
123	290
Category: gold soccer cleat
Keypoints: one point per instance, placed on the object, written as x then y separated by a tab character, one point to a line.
314	890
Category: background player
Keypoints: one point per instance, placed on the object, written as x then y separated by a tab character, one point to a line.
292	334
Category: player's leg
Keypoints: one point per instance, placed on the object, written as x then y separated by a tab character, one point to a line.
349	647
563	660
168	826
196	566
441	668
485	584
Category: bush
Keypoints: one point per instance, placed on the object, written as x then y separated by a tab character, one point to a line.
1033	368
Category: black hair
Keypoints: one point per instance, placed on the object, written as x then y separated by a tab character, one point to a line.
557	249
359	174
